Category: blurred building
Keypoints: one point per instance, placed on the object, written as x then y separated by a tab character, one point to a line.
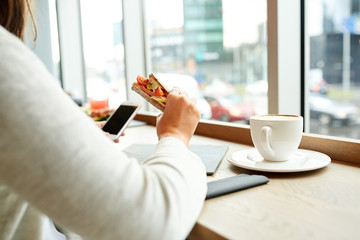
167	49
204	49
203	30
335	40
327	54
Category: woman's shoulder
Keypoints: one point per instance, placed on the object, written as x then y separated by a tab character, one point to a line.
17	60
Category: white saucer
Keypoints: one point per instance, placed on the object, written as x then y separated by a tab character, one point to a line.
302	160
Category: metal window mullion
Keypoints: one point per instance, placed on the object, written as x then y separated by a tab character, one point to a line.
134	44
71	48
284	47
43	46
306	68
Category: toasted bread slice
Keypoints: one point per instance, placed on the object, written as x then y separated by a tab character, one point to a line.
154	79
153	102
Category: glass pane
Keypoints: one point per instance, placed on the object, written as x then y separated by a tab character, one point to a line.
46	46
214	49
334	75
103	44
54	39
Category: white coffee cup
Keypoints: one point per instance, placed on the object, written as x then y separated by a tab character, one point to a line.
276	136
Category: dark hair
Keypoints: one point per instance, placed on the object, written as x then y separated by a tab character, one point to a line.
14	15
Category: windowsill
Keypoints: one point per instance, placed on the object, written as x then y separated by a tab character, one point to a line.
341	150
313	200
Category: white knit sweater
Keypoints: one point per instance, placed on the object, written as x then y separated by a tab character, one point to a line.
55	162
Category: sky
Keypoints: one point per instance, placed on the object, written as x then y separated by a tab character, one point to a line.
98	18
168	13
240	17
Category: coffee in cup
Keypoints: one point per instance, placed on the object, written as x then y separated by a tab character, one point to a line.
276	136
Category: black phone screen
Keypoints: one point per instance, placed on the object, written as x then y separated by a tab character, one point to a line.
119	118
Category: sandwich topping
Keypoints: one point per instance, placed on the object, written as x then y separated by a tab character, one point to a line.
152	88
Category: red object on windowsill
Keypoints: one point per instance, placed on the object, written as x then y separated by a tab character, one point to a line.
99	104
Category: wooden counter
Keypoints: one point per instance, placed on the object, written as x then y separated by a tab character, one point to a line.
319	204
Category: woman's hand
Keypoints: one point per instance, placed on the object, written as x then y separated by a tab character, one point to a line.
180	117
101	124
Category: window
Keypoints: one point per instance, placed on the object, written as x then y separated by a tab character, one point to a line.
219	44
333	28
103	48
47	42
223	46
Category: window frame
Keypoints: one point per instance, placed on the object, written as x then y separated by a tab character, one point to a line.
284	51
287	69
134	45
73	74
341	150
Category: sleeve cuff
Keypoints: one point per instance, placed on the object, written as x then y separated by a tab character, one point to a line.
172	139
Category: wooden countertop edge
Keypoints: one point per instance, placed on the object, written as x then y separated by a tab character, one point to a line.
341	150
200	232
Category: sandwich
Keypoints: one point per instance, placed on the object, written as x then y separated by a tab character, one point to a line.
151	90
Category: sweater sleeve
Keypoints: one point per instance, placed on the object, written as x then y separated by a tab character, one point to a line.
55	157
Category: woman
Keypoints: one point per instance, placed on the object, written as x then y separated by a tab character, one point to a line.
55	162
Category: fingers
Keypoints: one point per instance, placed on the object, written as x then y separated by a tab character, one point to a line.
100	124
180	97
175	91
116	140
180	117
193	100
158	117
185	94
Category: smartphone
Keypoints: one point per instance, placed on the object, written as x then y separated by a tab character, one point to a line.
121	118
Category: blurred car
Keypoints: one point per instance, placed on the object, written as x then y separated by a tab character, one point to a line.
257	88
318	86
218	87
230	108
317	83
329	111
189	84
260	87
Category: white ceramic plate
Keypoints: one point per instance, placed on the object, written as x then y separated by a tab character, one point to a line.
302	160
